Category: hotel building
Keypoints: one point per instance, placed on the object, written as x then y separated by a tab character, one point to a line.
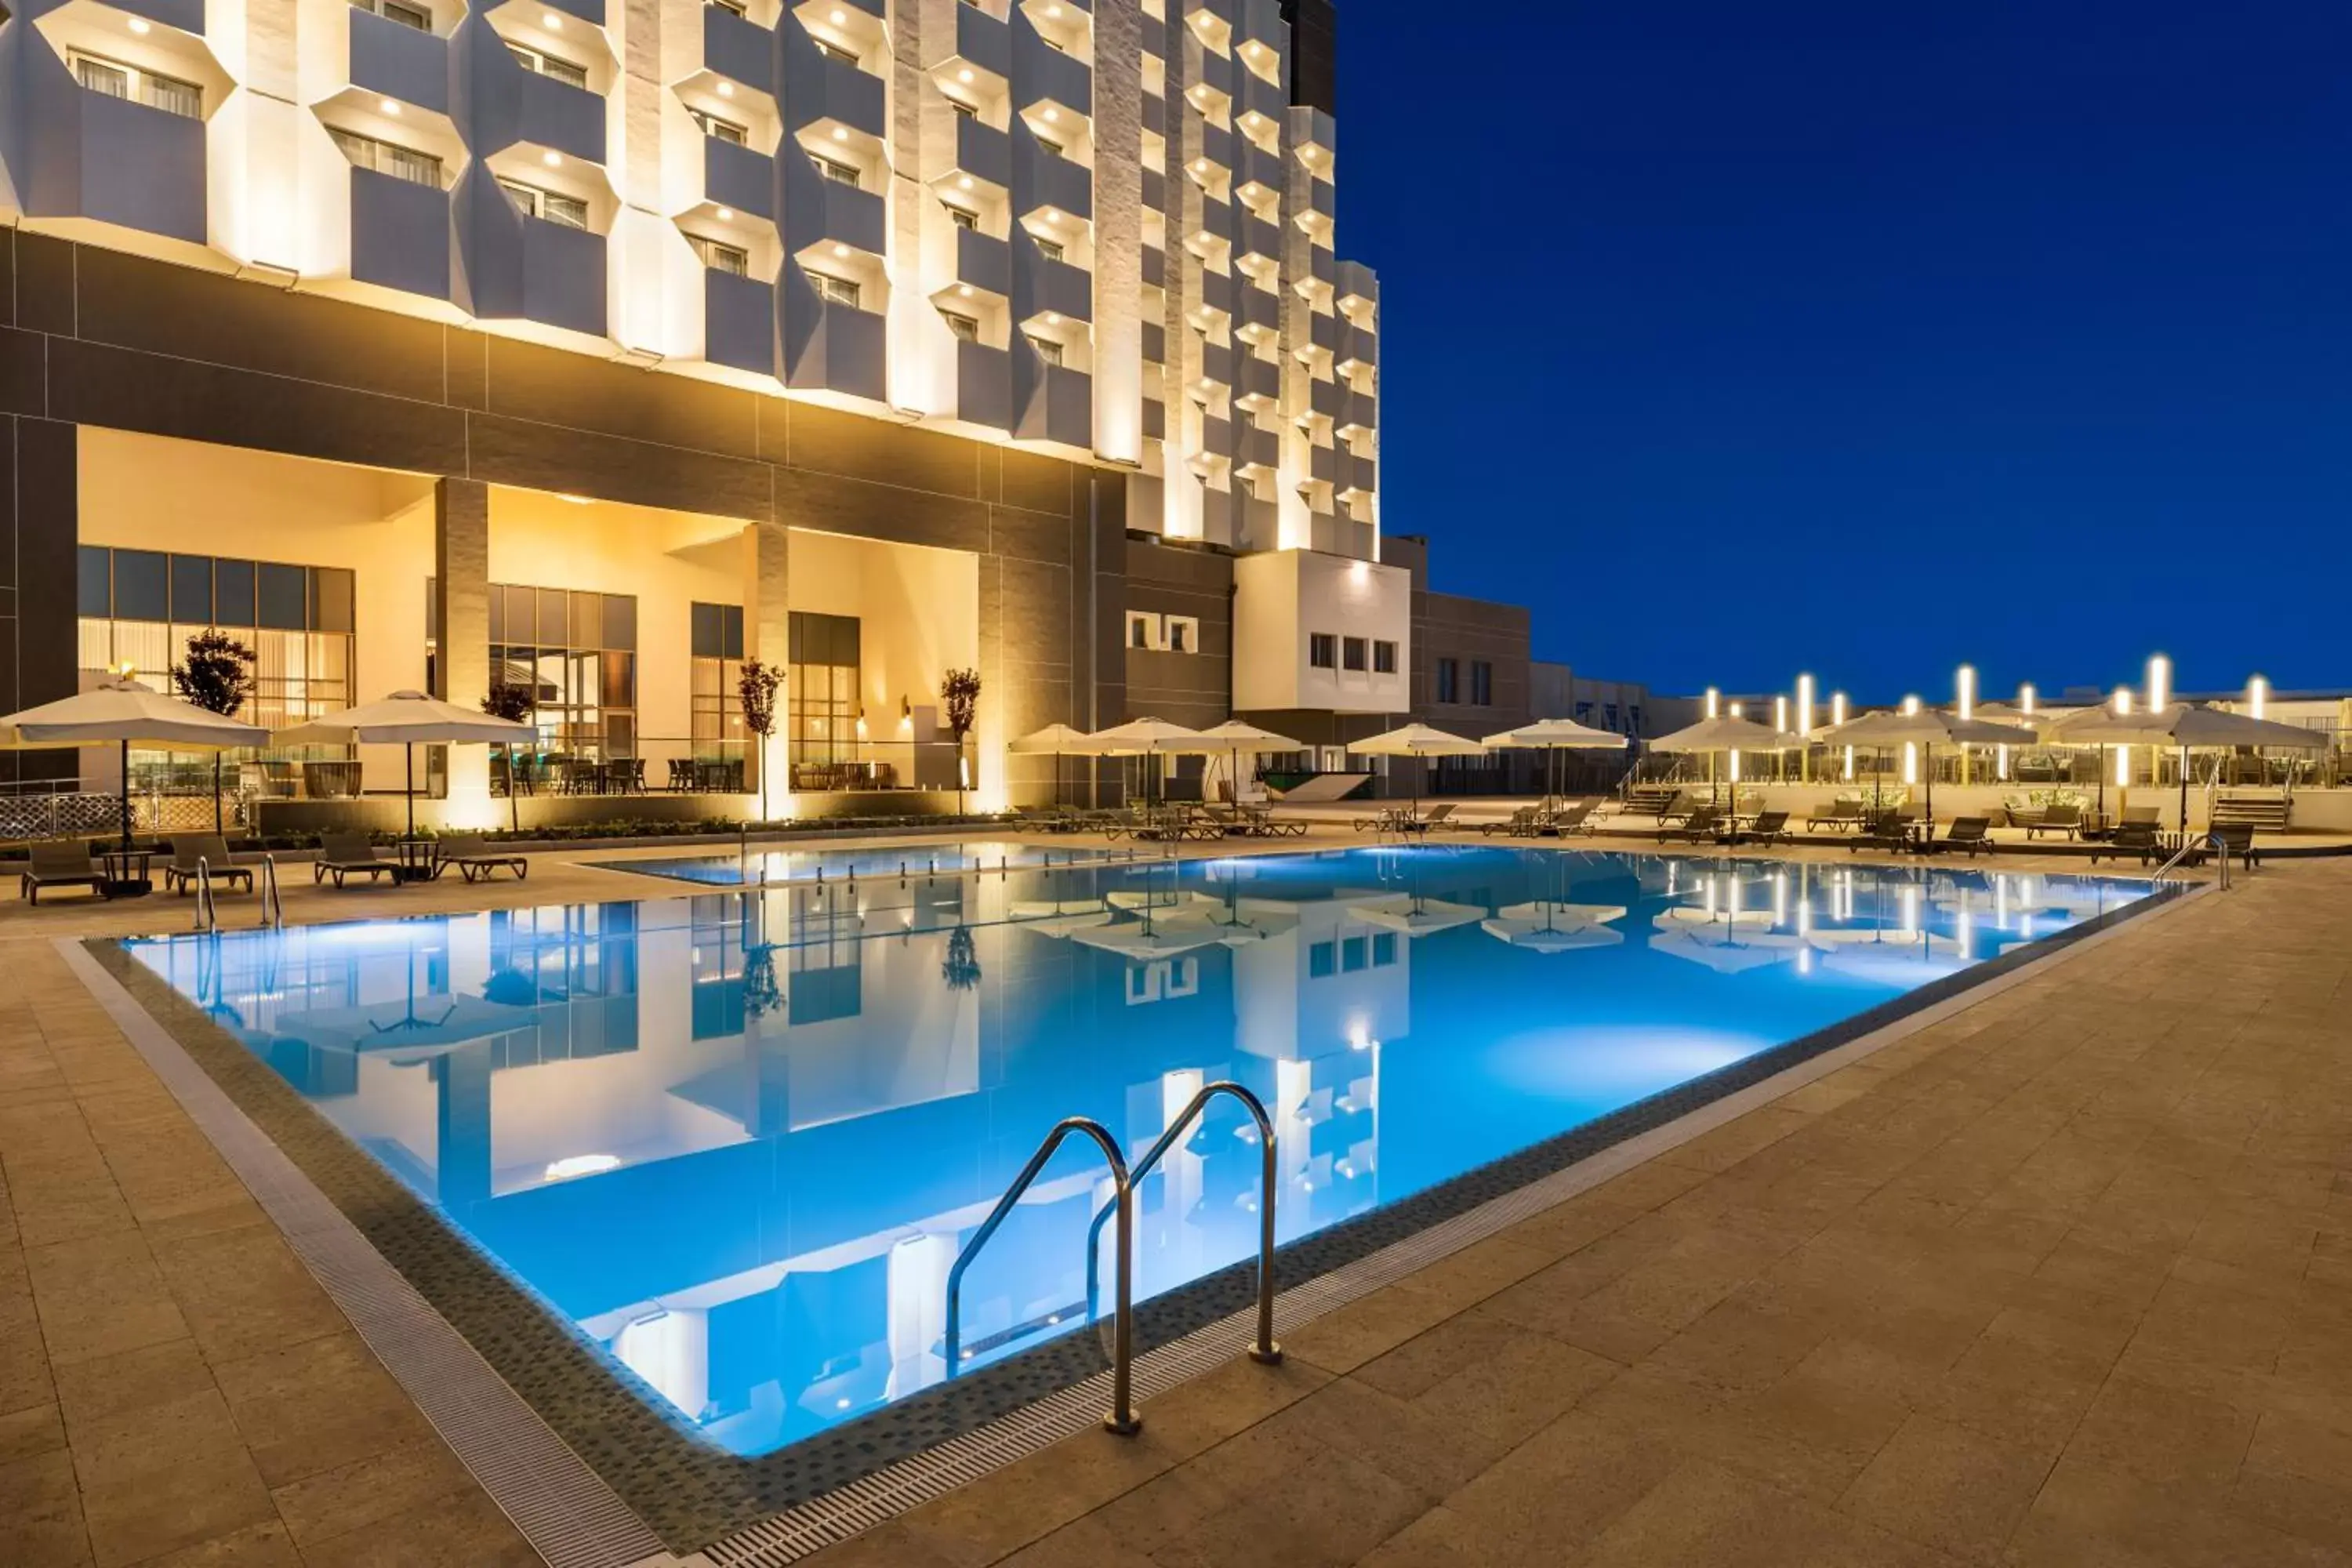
594	348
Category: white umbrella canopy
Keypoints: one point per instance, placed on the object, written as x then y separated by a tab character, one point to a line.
1724	733
1556	735
407	719
1411	916
1142	737
1537	937
1056	740
1928	728
123	713
1416	740
2187	727
1230	739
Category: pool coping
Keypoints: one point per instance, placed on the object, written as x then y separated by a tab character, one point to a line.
613	1447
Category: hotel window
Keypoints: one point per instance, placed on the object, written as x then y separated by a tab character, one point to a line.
384	158
1384	949
1351	653
1322	960
836	171
1322	651
740	7
548	66
1609	711
1383	658
962	217
963	329
719	129
533	202
1449	680
170	94
1050	145
1143	629
835	52
1181	634
722	258
140	607
576	653
1051	249
834	290
1482	684
715	712
821	689
963	110
1047	350
393	11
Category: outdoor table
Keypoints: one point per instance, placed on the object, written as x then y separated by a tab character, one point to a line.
125	872
416	860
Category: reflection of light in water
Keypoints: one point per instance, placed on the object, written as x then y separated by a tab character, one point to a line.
1600	1062
572	1165
1779	897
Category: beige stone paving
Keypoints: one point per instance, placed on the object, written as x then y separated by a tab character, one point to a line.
2066	1278
2060	1280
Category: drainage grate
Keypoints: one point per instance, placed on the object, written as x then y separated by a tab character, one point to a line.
569	1516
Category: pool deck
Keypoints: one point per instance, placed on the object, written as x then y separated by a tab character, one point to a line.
2063	1277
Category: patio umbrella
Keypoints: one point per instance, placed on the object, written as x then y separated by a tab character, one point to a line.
1549	926
2185	726
1416	740
1057	740
1145	737
1926	729
1234	737
1556	735
124	713
1411	916
1724	733
406	719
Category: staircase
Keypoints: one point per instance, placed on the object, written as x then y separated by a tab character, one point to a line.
2263	813
1649	800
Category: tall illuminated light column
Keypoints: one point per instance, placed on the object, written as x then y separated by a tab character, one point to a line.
1780	727
1805	722
1714	701
2258	697
1965	689
1837	716
2123	753
2024	706
1910	748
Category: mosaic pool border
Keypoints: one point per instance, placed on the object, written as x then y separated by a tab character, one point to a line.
690	1493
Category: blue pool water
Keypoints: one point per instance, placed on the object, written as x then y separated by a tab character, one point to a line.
766	868
738	1138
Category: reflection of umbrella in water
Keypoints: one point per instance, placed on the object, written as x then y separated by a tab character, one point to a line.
412	1029
1537	937
1723	950
1060	917
1895	957
1162	938
1414	916
1700	915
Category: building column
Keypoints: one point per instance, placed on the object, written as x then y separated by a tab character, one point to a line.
461	605
40	655
767	638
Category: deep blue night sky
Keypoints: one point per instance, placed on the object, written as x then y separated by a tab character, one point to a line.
1742	339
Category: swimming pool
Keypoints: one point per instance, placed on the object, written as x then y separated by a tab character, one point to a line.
768	866
736	1138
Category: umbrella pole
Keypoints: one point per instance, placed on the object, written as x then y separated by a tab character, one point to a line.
2184	788
126	793
408	777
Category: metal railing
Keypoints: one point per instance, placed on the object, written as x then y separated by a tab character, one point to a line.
207	912
1263	1350
273	907
2214	841
1121	1418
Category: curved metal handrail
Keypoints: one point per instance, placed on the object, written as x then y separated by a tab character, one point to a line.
1264	1350
273	906
2213	841
207	912
1121	1418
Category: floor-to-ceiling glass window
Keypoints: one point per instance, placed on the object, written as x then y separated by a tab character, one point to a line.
821	690
575	652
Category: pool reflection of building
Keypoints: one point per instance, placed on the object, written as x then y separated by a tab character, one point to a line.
739	1140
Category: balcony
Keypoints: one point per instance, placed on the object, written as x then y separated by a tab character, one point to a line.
1155	267
737	177
1155	343
1216	290
1255	235
571	120
1255	164
139	167
1155	419
187	15
820	209
1265	97
1041	72
819	86
1217	146
1260	448
983	150
589	11
1328	399
738	321
1155	189
562	276
837	348
399	63
1323	332
739	48
985	41
1256	307
400	230
1359	474
1059	286
1216	437
1323	464
1155	114
983	261
1043	179
1257	377
1056	404
1217	363
984	386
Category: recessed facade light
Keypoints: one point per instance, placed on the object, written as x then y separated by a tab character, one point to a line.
839	16
726	89
552	160
140	26
1053	318
963	183
841	133
387	106
1052	217
726	215
551	21
1051	113
841	250
965	290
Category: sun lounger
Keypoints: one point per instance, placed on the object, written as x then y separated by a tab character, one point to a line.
1970	835
1526	822
1437	817
1682	808
211	850
1841	813
1701	825
477	861
1882	830
1770	827
60	863
2238	837
2153	815
2130	839
343	855
1576	817
2065	819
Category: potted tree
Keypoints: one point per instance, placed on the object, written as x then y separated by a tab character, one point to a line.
960	692
217	677
510	701
756	689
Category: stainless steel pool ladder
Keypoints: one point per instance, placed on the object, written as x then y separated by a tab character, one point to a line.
207	912
273	907
1121	1417
2213	841
1263	1350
